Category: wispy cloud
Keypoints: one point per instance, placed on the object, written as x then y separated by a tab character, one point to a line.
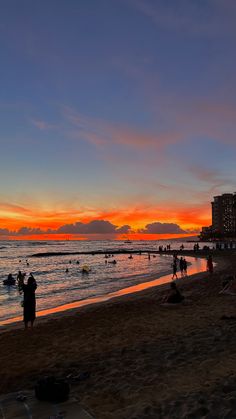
43	125
189	16
104	133
207	118
14	209
211	176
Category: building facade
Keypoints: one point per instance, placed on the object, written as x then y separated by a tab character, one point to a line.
224	215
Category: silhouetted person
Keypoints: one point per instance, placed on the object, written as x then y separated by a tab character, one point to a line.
174	269
10	280
181	265
29	301
210	264
185	266
174	295
20	280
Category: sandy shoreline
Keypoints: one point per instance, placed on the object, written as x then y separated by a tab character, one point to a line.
144	360
197	265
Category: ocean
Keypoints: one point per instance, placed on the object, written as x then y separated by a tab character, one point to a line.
56	287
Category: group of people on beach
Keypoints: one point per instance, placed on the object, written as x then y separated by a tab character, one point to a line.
181	264
28	289
174	296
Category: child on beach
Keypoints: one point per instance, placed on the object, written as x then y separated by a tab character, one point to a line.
209	264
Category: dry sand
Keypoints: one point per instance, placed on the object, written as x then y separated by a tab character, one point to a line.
144	360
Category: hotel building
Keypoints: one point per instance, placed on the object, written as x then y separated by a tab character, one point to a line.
224	214
223	218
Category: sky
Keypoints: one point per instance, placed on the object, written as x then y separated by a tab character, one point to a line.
117	117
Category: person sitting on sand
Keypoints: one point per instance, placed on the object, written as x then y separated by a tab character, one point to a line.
174	296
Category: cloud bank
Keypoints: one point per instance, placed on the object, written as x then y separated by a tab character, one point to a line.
162	228
92	227
101	227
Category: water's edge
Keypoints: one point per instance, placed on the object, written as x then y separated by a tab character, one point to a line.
197	265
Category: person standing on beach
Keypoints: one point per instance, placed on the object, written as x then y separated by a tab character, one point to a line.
185	266
181	265
174	269
29	302
210	264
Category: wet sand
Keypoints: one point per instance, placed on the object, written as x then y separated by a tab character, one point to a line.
144	360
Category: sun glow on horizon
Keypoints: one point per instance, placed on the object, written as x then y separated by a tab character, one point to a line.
96	237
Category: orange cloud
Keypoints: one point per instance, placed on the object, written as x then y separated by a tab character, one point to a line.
187	217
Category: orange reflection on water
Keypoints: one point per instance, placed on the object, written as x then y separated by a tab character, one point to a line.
197	265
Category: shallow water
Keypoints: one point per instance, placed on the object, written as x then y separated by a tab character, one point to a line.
57	288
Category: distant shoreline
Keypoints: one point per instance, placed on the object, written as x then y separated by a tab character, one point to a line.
201	252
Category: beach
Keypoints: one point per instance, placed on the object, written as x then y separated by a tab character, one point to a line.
143	360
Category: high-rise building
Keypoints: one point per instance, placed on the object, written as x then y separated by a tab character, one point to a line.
224	215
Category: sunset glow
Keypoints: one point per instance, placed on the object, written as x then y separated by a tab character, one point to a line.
132	125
